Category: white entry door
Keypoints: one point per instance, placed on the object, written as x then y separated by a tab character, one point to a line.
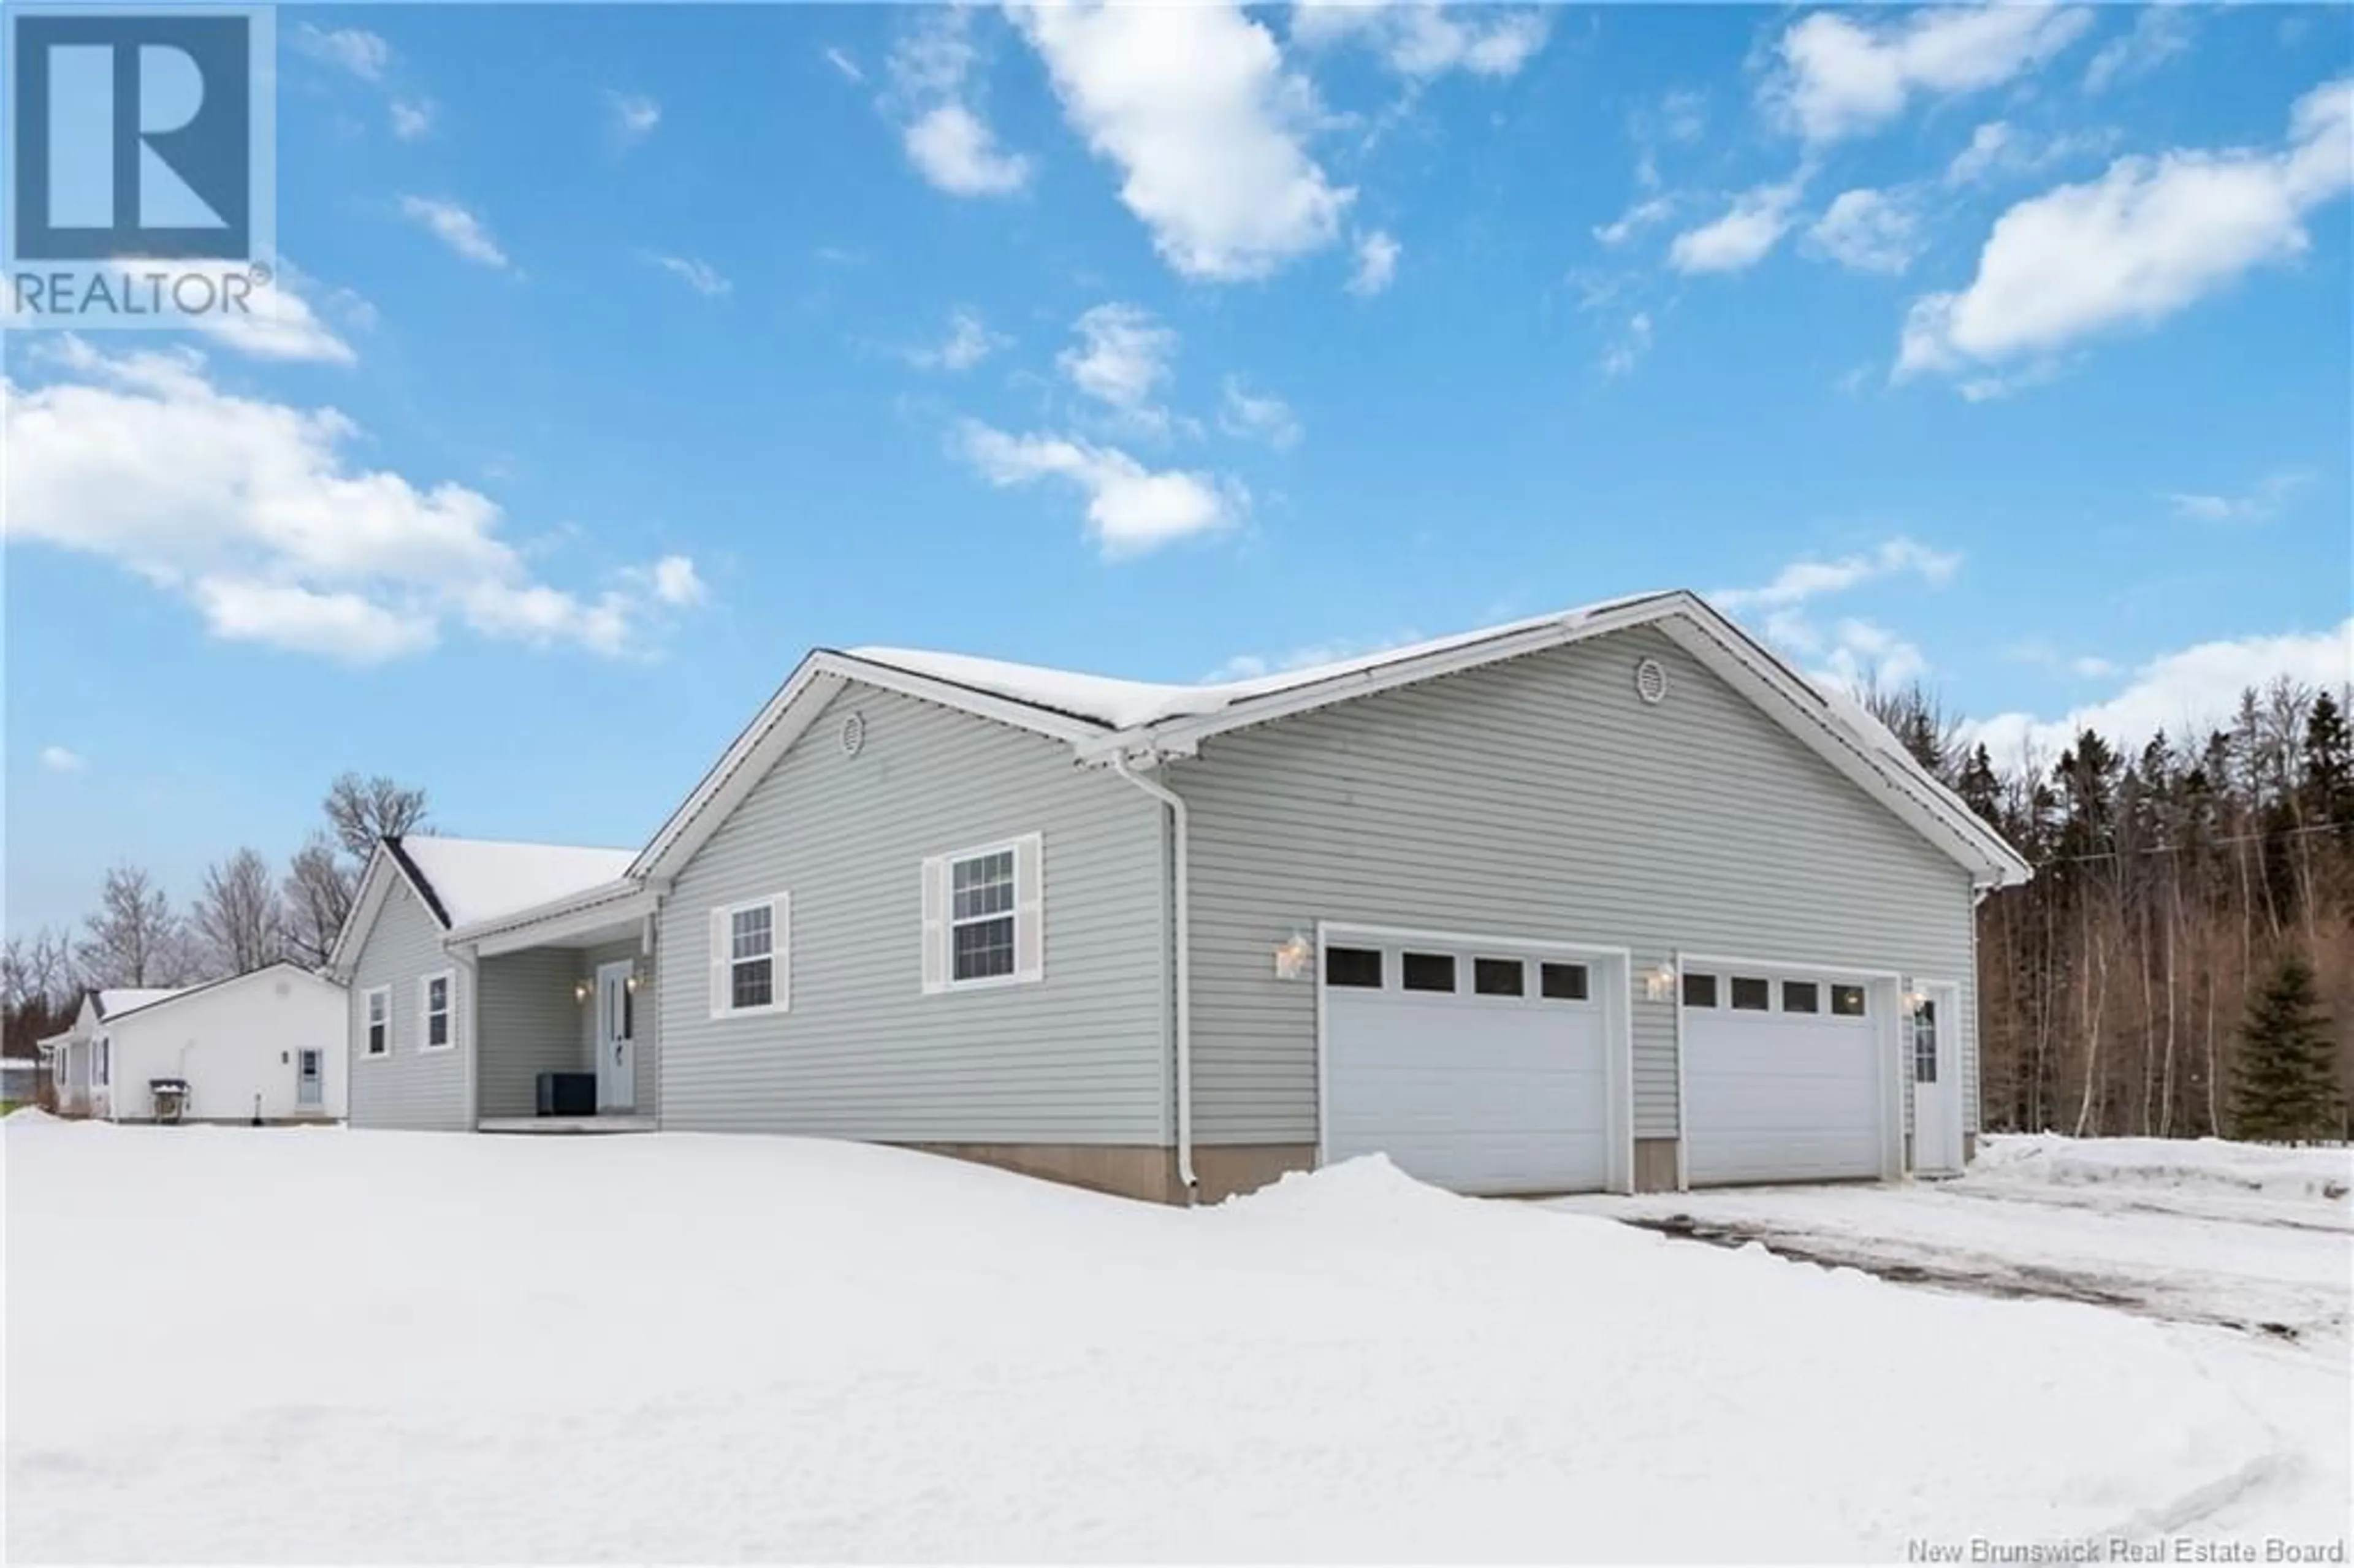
1936	1085
617	1051
1480	1068
309	1087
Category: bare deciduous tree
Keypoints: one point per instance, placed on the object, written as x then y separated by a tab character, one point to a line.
239	920
134	939
362	810
317	896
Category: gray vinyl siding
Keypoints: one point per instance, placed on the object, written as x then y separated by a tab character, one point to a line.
408	1088
644	1022
528	1023
1539	798
1079	1057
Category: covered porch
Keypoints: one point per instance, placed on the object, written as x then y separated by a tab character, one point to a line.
564	1031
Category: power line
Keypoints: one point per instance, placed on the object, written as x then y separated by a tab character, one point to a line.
2309	828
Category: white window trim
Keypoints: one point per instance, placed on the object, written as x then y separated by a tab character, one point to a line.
367	999
722	999
425	1047
102	1063
1029	852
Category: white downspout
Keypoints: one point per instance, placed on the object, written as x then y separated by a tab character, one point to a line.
1182	938
470	960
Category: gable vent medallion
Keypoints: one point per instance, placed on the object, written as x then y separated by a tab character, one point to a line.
853	734
1651	682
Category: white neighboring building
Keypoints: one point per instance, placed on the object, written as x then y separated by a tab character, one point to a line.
273	1045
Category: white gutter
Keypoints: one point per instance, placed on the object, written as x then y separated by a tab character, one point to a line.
1183	938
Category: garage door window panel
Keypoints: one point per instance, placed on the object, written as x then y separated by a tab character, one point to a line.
1801	996
1563	982
1358	968
1752	995
1428	971
1847	1001
1700	990
1499	977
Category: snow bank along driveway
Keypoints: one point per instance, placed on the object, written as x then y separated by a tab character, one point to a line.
265	1346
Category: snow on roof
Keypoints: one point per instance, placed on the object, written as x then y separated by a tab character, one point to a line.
481	879
122	998
1127	704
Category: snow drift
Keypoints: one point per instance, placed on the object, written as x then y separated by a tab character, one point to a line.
311	1346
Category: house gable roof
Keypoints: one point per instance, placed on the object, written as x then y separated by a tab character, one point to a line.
472	881
113	1002
1103	718
158	1001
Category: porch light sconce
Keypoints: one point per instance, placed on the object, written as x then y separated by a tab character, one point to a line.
1660	983
1916	1001
1291	957
633	982
580	991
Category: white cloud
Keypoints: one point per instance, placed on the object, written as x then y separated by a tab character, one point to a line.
969	341
2039	653
1840	77
1422	40
1801	581
57	759
1998	148
1122	359
2255	506
1751	227
699	275
2159	33
1130	509
356	50
1869	231
674	582
285	325
635	115
1683	115
1643	215
341	625
954	149
2186	694
254	513
1258	417
1992	146
412	118
1193	105
946	138
2148	238
456	228
840	60
1852	653
1630	350
1377	259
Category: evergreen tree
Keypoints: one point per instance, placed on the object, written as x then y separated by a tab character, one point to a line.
2286	1090
1979	788
2330	765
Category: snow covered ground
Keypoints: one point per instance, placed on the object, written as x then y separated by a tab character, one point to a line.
225	1344
2245	1253
2211	1232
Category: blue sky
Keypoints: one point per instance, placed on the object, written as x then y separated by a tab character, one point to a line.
627	352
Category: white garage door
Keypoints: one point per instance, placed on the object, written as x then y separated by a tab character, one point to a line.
1782	1077
1479	1070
